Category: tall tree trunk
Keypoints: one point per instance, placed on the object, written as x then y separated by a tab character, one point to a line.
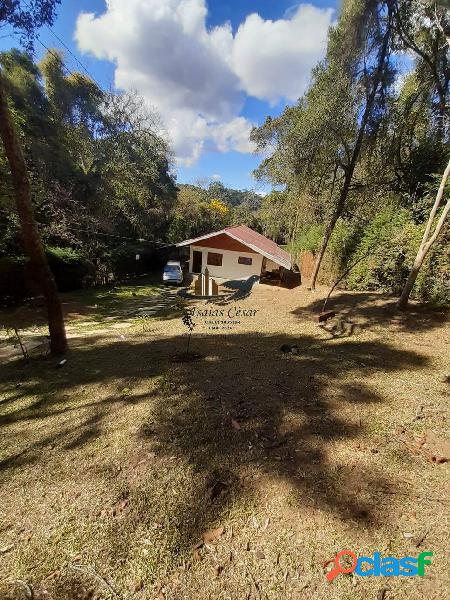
350	169
31	240
427	240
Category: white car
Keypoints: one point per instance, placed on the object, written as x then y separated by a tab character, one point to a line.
173	273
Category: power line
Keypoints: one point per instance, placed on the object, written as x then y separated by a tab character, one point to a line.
79	62
63	64
72	54
68	50
122	237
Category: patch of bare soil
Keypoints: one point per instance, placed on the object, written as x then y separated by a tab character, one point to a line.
241	475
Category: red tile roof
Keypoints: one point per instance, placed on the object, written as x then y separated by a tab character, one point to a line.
253	240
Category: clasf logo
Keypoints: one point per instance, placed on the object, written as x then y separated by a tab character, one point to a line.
388	566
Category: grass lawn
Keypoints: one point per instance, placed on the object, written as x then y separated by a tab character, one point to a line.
125	474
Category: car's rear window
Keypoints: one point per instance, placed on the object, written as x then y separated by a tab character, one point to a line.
171	269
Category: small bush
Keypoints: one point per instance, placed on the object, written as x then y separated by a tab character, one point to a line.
13	285
69	267
384	251
308	239
388	247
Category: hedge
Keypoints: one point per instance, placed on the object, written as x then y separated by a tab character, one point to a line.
70	268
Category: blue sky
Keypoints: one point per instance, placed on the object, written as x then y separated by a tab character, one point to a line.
212	69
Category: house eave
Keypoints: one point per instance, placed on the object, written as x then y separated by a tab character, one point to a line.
279	261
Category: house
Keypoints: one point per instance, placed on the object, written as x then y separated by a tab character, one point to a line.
235	253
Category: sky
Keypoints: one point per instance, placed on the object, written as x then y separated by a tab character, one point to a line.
212	69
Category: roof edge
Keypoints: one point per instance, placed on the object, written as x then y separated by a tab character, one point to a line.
283	263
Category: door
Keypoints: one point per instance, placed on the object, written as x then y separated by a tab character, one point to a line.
196	261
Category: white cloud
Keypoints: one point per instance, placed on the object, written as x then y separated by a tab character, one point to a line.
216	177
273	59
197	78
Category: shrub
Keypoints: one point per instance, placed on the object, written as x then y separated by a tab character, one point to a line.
433	281
388	247
13	285
69	267
384	251
308	239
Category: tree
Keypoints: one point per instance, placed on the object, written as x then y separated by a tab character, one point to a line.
376	44
429	236
27	21
320	142
99	166
428	239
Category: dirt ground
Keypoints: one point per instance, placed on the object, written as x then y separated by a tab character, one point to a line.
240	475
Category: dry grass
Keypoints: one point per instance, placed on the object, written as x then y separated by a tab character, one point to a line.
114	466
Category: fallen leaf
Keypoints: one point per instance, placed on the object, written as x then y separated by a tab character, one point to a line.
259	554
6	549
213	535
235	424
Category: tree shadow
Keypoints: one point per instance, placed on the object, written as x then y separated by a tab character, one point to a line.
102	306
246	407
285	416
364	310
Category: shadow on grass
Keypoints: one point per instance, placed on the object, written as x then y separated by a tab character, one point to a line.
246	407
363	310
101	305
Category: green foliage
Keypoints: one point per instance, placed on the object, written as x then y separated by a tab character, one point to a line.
13	286
204	208
388	248
70	268
100	171
433	282
276	216
308	239
385	252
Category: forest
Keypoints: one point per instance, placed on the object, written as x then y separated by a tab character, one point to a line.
359	159
354	165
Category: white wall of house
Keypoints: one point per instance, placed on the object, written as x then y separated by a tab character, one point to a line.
230	269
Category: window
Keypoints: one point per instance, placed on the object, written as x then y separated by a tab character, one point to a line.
244	260
214	259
